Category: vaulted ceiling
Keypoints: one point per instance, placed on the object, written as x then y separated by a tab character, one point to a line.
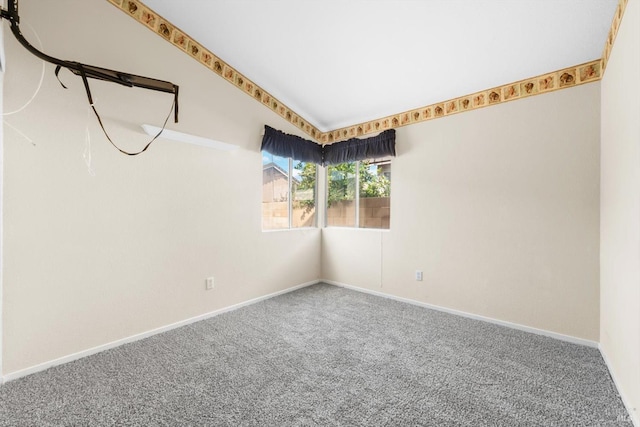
343	68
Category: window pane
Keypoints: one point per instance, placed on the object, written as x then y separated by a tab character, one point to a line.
375	192
341	191
303	188
275	192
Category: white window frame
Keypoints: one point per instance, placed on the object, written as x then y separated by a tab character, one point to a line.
357	200
290	201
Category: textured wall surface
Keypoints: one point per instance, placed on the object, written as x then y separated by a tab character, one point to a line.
620	211
94	259
500	209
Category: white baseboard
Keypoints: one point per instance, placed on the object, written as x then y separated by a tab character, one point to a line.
633	415
79	355
568	338
75	356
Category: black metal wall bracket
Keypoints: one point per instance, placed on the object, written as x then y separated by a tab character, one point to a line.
89	71
4	14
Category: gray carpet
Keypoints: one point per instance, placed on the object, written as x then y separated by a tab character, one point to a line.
325	356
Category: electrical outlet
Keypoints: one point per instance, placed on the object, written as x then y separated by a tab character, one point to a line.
419	275
209	283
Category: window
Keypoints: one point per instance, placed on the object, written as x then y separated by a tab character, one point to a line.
341	194
359	194
288	193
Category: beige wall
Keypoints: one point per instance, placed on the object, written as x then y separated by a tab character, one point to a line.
2	61
500	209
93	259
620	210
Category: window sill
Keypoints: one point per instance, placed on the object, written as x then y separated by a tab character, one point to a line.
337	227
279	230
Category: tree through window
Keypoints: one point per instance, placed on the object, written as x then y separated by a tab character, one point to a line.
288	193
359	194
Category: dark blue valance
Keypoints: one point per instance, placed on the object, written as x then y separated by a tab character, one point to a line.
355	149
284	145
304	150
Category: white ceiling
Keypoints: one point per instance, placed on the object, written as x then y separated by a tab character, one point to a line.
342	62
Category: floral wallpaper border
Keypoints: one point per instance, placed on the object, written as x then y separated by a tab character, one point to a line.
568	77
146	16
565	78
613	32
